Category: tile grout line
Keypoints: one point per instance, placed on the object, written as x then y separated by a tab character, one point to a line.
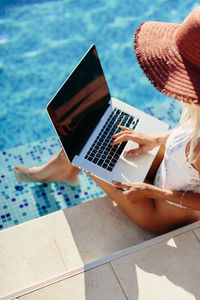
196	236
110	263
99	262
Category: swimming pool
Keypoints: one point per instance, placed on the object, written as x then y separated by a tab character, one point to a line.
40	43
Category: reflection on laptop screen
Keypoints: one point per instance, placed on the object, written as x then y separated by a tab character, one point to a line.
80	103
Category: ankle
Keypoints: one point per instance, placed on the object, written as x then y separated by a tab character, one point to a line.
73	172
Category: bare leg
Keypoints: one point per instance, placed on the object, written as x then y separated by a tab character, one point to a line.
58	169
140	212
150	214
147	213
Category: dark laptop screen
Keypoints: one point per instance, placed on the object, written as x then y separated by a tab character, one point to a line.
80	103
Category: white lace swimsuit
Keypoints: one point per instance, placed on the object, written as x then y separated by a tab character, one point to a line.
175	172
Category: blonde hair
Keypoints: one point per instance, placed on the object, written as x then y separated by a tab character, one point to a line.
190	119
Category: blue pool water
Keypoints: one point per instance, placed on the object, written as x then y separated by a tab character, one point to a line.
40	43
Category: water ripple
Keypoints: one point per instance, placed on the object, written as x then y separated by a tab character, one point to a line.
40	43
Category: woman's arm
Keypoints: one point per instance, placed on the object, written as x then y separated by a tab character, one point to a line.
140	190
187	199
145	142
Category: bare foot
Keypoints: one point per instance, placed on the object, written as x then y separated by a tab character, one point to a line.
58	169
24	174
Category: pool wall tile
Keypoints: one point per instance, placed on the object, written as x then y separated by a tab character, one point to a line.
27	201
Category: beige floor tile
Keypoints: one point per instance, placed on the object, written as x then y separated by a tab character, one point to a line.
100	228
35	251
169	270
97	284
62	241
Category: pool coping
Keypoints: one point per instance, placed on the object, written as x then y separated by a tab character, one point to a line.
99	262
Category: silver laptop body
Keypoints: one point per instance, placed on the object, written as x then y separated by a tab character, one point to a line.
85	116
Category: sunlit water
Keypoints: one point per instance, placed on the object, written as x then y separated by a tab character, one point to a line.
42	41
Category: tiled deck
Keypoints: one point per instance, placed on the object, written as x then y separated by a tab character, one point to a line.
168	270
93	251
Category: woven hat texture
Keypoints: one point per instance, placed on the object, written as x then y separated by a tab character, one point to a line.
169	55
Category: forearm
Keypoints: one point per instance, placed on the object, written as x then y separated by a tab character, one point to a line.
189	199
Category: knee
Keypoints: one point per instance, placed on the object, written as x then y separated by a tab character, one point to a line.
62	157
62	153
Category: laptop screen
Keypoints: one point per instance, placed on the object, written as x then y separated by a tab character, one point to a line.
80	103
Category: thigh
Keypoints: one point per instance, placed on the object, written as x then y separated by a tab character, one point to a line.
154	215
170	217
140	212
115	194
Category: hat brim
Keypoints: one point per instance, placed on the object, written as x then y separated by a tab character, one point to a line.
159	57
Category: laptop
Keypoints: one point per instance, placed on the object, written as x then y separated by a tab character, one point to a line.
85	116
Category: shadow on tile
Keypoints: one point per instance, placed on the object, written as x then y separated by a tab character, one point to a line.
98	283
168	270
100	228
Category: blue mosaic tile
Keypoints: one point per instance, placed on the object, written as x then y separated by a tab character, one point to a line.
21	202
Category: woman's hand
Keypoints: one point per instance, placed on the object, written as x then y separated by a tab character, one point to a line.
133	191
145	142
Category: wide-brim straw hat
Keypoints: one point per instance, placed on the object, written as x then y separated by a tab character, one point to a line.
169	55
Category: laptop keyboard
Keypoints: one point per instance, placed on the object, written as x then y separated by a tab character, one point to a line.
101	152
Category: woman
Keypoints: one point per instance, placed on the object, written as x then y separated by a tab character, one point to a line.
169	55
